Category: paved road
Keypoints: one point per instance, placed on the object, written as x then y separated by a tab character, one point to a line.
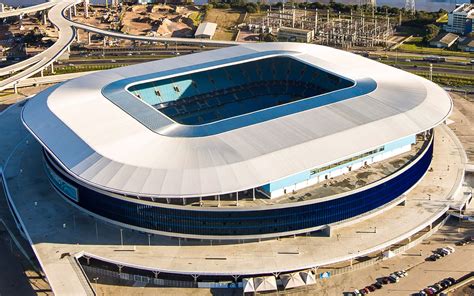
437	70
13	280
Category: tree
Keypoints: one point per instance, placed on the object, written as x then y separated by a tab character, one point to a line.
207	7
267	37
252	7
431	31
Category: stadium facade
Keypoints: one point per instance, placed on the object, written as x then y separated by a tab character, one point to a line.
221	144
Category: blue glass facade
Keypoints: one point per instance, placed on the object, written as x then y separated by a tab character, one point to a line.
231	222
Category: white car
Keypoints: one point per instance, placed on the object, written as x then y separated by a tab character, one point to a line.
451	249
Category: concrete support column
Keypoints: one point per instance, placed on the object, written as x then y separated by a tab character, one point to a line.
42	73
52	68
15	87
253	193
293	19
237	199
86	8
327	231
74	7
105	40
44	17
70	12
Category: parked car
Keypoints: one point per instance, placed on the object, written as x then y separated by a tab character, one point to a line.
401	273
450	249
371	288
378	285
385	281
393	278
428	291
451	280
364	291
444	284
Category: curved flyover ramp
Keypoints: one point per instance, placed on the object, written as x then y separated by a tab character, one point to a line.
44	59
27	10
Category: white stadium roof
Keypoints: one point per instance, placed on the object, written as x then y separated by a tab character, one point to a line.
99	143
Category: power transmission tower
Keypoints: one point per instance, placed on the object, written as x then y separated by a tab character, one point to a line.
370	5
410	6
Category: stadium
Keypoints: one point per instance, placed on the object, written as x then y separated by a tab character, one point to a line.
245	143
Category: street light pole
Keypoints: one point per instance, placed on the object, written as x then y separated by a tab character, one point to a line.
95	280
431	72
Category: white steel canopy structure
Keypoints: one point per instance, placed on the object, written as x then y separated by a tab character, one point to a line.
101	134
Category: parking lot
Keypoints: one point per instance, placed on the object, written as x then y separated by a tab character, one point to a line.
421	273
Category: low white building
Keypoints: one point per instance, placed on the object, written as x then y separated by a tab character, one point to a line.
205	30
444	40
295	35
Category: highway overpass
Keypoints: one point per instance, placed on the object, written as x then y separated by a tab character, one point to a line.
28	10
37	63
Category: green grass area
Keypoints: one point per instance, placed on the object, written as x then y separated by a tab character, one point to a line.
119	58
85	68
421	64
409	30
442	19
448	79
415	45
197	17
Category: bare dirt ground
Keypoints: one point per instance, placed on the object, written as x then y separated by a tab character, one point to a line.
151	20
463	126
247	36
8	97
226	20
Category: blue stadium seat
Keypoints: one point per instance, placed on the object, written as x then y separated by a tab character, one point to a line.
212	95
